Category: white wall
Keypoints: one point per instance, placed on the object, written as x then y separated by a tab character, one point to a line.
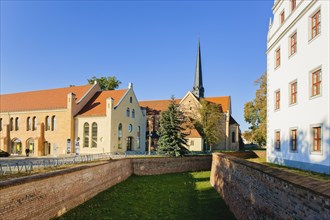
308	111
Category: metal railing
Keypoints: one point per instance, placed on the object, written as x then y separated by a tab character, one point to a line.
30	164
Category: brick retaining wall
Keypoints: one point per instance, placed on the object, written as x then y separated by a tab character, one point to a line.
153	166
51	194
256	191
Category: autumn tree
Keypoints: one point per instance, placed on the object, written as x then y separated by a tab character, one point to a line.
106	83
255	112
172	140
208	124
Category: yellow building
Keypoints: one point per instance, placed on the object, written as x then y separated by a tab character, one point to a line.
66	120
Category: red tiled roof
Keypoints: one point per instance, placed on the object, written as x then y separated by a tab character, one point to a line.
97	105
161	105
40	100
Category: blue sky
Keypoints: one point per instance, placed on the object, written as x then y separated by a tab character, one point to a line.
53	44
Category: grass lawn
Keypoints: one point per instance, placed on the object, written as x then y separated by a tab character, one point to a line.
170	196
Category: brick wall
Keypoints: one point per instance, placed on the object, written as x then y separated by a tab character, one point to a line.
256	191
51	194
153	166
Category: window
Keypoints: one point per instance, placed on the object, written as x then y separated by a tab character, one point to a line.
133	113
282	17
127	112
138	136
233	138
28	124
86	135
317	139
316	24
293	141
278	57
293	5
277	100
192	143
11	124
293	93
130	99
16	124
94	134
293	43
130	128
47	123
277	140
120	135
53	123
34	123
0	124
316	83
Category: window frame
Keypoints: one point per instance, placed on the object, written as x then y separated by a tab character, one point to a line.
319	139
316	83
277	96
278	57
86	131
293	44
294	147
94	135
277	142
293	93
317	25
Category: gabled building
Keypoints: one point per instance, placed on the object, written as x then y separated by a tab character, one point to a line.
68	120
298	99
189	105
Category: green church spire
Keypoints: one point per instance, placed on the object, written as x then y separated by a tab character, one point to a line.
198	89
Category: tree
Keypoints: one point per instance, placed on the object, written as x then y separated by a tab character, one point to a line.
106	83
172	140
255	112
208	124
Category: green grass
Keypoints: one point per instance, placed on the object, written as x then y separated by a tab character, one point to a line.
170	196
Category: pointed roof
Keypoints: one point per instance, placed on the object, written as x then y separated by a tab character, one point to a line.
198	89
42	99
97	105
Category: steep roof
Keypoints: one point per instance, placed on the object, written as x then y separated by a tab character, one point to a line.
40	100
97	105
161	105
232	120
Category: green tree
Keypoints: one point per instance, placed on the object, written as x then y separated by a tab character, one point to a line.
172	140
255	112
208	124
106	83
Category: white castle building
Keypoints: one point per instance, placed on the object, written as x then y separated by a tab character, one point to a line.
298	106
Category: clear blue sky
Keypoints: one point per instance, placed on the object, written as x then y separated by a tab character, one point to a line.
153	44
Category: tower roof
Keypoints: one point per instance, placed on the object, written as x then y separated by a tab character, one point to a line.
198	89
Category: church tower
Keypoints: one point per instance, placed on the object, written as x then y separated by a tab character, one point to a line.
198	89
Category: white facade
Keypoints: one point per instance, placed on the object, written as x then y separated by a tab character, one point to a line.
309	112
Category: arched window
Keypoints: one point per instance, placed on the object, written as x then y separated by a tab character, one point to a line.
94	134
34	123
86	135
130	99
127	112
16	124
28	124
53	123
138	136
233	138
133	113
120	135
11	124
47	127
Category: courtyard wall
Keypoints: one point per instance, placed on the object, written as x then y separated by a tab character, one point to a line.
51	194
256	191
